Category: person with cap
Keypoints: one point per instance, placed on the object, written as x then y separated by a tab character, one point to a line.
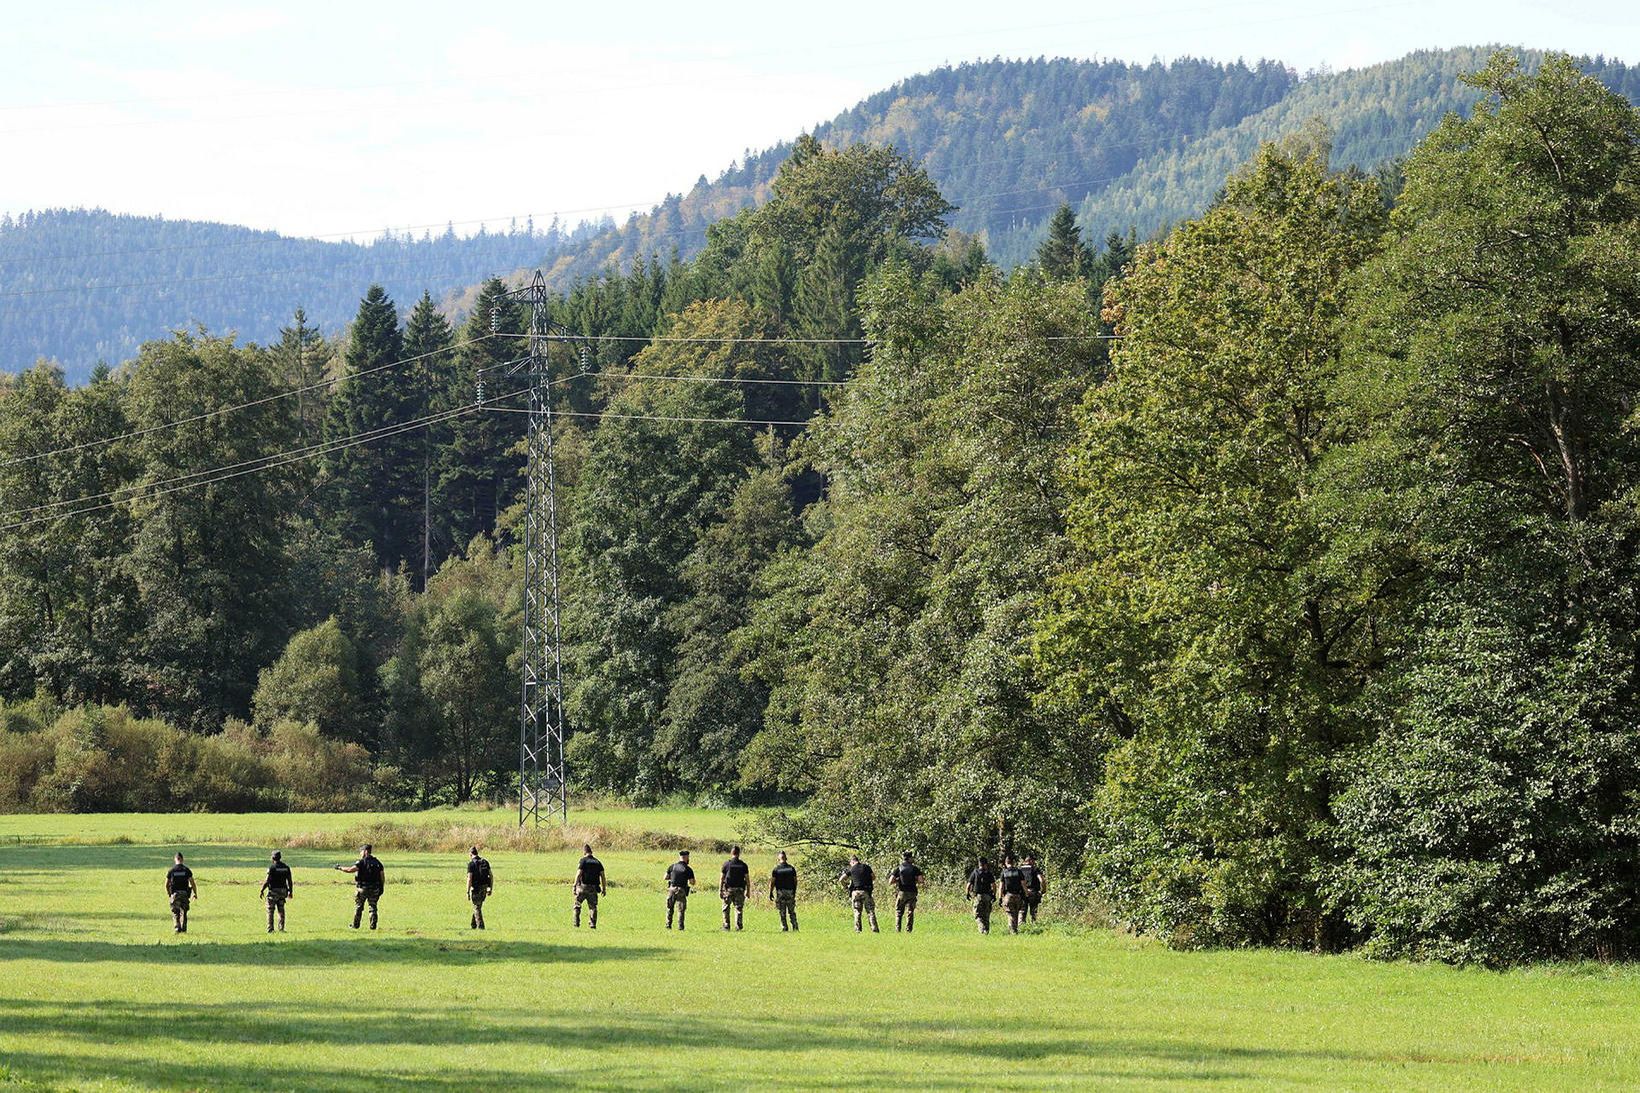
679	879
904	879
589	885
369	879
982	889
480	883
783	892
180	886
277	887
736	878
859	879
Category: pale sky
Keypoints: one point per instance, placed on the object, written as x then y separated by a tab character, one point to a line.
344	118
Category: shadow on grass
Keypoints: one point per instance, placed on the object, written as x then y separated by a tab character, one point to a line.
365	949
624	1050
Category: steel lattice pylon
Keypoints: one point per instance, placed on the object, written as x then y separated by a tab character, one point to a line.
541	786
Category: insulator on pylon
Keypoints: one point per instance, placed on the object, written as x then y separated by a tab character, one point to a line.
478	389
495	318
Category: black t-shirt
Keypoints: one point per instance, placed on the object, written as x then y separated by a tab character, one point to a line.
1033	880
278	879
1013	881
785	877
678	875
590	871
906	876
736	873
177	879
860	877
478	875
368	872
981	880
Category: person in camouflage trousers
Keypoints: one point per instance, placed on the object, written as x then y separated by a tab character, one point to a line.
679	879
783	892
276	889
369	879
180	887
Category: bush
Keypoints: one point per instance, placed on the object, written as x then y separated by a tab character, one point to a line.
104	759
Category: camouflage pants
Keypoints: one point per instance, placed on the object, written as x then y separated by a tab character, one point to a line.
362	896
478	896
585	893
1014	904
736	898
863	905
179	910
786	904
905	911
982	912
276	908
676	898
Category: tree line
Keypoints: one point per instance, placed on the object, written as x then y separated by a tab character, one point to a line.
1274	577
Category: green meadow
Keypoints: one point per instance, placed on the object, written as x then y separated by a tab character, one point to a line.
96	992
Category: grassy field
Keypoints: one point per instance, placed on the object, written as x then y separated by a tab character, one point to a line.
96	992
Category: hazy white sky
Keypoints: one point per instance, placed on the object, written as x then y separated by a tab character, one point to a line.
344	117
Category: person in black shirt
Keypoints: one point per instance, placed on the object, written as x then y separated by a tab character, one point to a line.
737	876
369	879
860	880
1012	881
589	885
180	886
1036	886
783	891
480	883
679	879
982	889
904	879
277	888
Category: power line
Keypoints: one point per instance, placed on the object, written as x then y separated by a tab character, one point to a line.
271	461
242	405
646	377
651	417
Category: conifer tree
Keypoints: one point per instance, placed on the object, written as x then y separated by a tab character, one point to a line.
1062	254
374	483
301	360
430	364
478	473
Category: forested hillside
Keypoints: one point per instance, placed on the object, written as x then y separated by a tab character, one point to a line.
80	286
1273	579
1132	147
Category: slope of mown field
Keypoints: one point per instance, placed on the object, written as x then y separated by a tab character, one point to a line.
96	992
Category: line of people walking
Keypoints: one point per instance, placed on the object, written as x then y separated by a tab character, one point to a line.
1019	884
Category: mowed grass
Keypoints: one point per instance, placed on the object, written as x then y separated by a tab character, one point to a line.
96	992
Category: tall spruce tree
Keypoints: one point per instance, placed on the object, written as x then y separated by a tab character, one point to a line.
374	483
479	471
1062	254
428	338
302	360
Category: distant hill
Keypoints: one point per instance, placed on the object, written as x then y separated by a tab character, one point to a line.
84	285
1129	145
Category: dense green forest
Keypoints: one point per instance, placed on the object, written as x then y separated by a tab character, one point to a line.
82	286
1275	579
1132	147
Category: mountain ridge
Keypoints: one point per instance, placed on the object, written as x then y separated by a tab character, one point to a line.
1130	146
